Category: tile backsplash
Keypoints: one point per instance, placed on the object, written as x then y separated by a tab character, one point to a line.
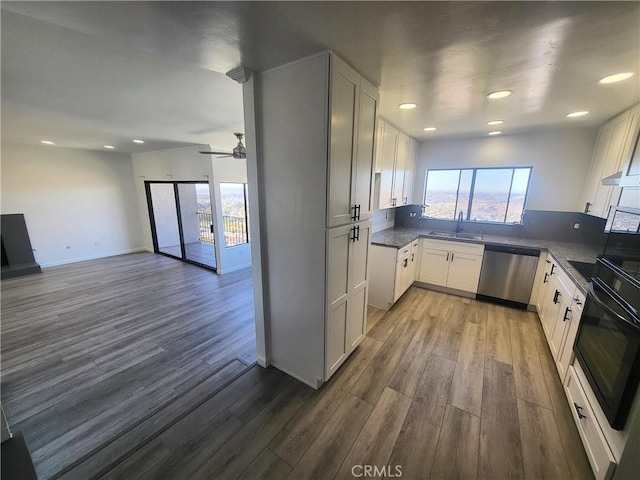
538	224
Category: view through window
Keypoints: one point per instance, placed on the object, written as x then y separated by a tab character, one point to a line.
235	217
481	194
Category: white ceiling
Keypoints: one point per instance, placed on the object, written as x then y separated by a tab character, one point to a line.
85	74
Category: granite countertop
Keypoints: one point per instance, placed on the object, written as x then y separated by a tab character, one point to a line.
561	251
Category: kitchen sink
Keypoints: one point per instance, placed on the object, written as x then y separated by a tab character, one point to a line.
443	234
471	236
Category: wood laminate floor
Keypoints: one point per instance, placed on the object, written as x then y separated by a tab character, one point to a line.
200	252
441	387
90	349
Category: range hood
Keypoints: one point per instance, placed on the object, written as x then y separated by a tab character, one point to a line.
612	180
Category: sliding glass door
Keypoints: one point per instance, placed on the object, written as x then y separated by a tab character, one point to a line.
182	221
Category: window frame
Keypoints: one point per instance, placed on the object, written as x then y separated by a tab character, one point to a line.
472	193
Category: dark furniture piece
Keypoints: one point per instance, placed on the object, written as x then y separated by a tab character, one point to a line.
17	253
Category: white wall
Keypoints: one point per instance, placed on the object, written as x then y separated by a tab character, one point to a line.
187	164
78	204
560	158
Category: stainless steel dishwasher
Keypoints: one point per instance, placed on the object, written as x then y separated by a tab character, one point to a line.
507	275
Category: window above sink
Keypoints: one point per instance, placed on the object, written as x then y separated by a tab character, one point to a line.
492	195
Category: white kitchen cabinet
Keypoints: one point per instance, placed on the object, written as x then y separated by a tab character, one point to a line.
409	172
543	282
388	146
353	113
631	151
613	150
378	145
550	305
563	318
598	452
316	165
347	275
392	273
399	170
454	265
397	159
565	355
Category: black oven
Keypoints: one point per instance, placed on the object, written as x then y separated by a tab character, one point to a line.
607	345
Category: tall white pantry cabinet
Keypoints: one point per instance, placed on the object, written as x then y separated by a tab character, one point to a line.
318	120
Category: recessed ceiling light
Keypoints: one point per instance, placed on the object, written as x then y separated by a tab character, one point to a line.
429	129
500	94
407	106
110	147
47	142
577	114
495	122
138	141
616	77
497	132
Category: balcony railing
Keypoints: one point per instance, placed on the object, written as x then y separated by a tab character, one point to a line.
206	226
235	231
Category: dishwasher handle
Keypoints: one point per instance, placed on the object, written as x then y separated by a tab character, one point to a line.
529	252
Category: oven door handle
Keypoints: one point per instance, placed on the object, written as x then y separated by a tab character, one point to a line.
606	307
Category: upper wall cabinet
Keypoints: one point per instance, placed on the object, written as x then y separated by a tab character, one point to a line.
354	105
631	151
613	148
395	161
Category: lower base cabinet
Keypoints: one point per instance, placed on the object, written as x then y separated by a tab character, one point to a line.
600	456
386	288
454	265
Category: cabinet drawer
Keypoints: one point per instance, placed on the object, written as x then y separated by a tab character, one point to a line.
598	452
404	252
457	247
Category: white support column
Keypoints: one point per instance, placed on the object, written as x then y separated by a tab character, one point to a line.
250	94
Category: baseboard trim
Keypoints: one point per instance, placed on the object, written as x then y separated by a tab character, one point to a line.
93	257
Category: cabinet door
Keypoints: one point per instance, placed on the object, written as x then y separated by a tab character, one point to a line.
561	324
464	272
413	264
362	188
388	161
544	286
379	136
358	277
611	165
565	355
400	281
398	173
338	242
597	165
551	308
344	98
434	266
631	153
409	172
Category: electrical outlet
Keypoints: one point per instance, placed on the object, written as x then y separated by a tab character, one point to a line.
576	226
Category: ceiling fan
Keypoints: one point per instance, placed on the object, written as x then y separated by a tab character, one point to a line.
238	152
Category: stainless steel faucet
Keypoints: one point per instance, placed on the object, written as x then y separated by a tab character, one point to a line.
459	226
